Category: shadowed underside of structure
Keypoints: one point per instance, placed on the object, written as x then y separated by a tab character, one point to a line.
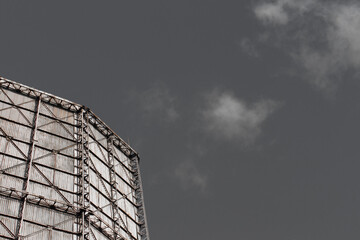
64	174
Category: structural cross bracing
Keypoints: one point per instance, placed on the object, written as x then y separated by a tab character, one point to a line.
64	174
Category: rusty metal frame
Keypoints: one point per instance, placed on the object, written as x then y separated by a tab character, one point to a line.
79	138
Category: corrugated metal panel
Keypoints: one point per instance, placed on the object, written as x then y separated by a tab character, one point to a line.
124	159
9	207
17	166
20	116
33	231
52	126
17	132
57	161
54	143
17	99
11	182
97	234
48	217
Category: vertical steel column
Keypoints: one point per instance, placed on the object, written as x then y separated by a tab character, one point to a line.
113	192
82	169
78	171
144	232
85	176
31	153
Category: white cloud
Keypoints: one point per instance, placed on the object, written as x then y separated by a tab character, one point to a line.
278	12
329	51
272	12
229	117
189	176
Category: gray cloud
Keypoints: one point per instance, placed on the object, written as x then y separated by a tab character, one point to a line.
329	50
248	47
231	118
157	101
190	176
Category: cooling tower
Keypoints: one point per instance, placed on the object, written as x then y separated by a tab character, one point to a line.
64	174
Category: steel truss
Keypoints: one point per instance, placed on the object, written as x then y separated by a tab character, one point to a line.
89	219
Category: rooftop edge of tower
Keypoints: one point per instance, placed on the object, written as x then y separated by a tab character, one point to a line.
72	107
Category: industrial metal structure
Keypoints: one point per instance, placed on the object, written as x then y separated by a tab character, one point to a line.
64	174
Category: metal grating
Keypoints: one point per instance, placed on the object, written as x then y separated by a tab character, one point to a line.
64	174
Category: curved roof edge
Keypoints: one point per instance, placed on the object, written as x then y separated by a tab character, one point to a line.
72	107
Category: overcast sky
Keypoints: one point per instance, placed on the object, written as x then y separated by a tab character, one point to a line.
246	114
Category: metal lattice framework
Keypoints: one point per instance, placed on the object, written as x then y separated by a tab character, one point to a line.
64	174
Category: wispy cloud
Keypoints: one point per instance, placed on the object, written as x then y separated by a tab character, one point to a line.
247	47
278	12
157	101
229	117
189	175
325	36
342	51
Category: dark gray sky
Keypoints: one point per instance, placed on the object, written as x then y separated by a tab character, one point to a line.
245	113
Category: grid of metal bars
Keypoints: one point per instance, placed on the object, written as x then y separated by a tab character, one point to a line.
64	174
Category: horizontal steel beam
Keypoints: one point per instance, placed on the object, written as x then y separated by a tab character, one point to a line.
39	200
